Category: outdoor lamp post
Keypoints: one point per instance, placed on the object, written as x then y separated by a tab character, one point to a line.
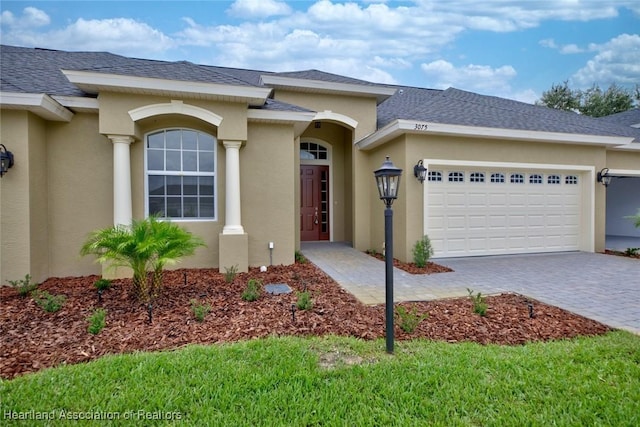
388	181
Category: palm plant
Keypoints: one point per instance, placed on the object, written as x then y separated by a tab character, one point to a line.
146	246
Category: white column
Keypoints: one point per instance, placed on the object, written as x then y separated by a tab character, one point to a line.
122	211
233	217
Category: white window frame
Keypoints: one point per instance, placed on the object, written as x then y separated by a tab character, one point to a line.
182	174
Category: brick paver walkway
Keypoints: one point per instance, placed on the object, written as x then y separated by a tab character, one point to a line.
605	288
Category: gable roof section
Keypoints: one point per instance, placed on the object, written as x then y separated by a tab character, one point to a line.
468	113
314	81
626	118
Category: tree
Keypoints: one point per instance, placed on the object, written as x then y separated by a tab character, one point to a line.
592	102
560	97
596	103
146	246
635	219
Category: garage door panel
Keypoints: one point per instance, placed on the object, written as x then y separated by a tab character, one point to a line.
476	218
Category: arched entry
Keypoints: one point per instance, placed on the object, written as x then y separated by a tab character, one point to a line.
314	192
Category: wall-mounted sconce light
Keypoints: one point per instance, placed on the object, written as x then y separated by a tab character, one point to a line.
6	159
604	178
420	172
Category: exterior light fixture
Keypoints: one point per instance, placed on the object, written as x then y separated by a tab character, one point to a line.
6	159
604	178
420	172
388	182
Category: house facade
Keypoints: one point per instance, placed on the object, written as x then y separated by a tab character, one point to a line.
257	162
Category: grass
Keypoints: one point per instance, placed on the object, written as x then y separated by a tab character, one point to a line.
345	381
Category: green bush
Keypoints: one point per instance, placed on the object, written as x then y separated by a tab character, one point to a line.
97	321
199	310
300	258
46	301
408	320
479	304
230	273
252	291
24	286
422	251
304	301
102	284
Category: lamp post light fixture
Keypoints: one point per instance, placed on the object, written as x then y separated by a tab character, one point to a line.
6	159
388	182
420	172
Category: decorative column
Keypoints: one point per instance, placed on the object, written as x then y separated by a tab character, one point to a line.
233	217
122	211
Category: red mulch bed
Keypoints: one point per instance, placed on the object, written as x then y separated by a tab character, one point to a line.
634	254
410	267
32	339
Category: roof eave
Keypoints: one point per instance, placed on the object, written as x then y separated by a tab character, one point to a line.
400	127
381	93
93	83
300	120
40	104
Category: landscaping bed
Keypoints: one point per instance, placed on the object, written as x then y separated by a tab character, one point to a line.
32	339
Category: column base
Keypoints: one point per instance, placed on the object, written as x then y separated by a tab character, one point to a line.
234	251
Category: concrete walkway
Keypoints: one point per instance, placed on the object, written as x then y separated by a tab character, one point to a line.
605	288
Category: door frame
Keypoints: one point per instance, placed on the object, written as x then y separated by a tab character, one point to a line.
328	162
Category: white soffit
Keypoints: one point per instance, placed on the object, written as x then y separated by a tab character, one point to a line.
38	103
79	103
95	82
300	120
624	172
400	127
319	86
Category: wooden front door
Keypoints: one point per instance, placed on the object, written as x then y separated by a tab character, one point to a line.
314	202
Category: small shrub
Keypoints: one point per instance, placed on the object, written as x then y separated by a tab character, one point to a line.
49	303
422	251
408	320
252	291
199	310
24	286
97	321
632	251
479	305
300	258
102	284
230	273
304	301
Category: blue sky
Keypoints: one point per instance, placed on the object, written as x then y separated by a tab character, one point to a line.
509	48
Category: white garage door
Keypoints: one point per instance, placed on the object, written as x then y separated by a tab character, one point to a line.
480	211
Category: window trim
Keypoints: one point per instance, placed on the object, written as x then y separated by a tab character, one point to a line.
182	174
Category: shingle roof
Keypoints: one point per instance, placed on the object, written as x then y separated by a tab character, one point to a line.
626	118
458	107
30	70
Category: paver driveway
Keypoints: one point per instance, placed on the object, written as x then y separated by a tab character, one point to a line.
605	288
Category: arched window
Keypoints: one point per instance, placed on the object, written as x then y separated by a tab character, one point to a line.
181	174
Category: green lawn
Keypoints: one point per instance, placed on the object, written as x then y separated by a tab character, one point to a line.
344	381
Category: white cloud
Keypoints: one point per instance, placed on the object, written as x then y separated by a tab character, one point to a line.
478	78
617	61
31	17
564	49
258	8
119	35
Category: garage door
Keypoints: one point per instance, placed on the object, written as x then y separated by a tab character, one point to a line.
476	211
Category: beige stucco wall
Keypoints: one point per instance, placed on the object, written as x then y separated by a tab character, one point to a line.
628	160
361	109
80	180
15	233
115	119
267	180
